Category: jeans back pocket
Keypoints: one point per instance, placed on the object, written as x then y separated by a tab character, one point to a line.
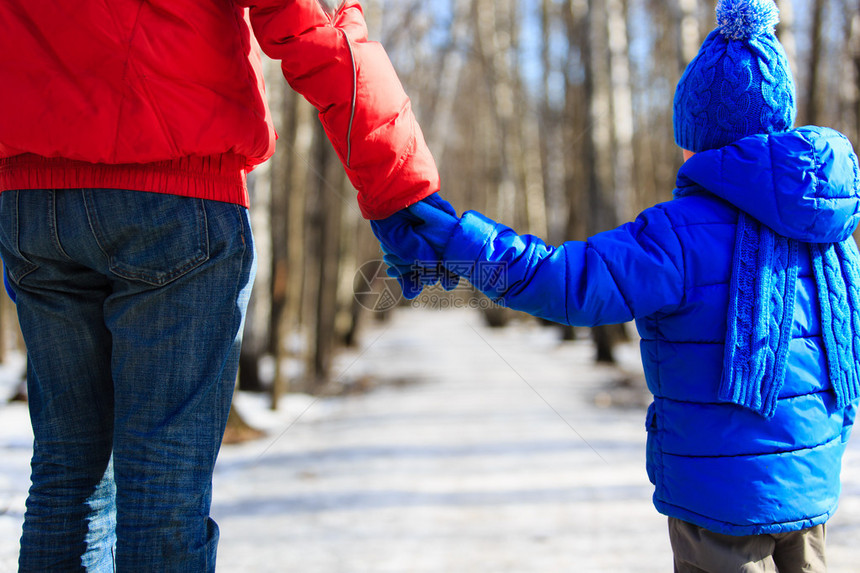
149	237
15	262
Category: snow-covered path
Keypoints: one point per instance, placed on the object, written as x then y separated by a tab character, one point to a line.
490	456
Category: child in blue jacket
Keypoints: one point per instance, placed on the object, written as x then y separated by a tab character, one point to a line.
745	289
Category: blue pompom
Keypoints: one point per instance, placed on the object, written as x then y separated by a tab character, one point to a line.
742	19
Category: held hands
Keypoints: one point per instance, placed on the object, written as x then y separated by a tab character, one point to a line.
413	240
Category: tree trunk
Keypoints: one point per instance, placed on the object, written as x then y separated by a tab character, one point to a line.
816	49
786	31
622	110
238	430
261	183
551	146
855	42
602	208
602	214
326	235
575	121
852	86
575	126
453	63
255	336
289	269
496	39
690	36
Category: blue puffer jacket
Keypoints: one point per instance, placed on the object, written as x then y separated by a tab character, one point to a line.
716	464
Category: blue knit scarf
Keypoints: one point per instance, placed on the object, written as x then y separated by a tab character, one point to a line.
761	305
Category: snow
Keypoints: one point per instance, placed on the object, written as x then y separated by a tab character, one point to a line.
482	450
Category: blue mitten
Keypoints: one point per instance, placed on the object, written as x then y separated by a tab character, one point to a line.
413	277
440	220
413	240
410	277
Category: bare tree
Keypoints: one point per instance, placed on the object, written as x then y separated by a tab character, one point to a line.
494	42
292	181
814	66
551	145
603	207
622	109
855	45
849	61
256	334
786	31
690	35
576	119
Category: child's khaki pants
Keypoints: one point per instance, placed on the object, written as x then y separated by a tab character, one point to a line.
698	550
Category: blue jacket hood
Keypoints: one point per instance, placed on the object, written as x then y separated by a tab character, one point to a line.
804	183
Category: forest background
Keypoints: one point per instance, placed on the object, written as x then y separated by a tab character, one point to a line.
552	116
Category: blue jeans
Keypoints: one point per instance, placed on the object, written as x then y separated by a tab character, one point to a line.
131	305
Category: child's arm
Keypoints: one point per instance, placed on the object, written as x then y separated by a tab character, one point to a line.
634	270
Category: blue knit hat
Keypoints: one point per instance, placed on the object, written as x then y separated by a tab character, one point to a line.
739	83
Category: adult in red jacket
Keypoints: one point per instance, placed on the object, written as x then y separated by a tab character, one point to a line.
126	131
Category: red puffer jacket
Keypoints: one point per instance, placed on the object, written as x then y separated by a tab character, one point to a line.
168	96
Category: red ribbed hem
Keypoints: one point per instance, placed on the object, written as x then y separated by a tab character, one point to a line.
217	177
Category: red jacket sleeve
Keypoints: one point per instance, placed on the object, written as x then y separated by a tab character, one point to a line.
362	105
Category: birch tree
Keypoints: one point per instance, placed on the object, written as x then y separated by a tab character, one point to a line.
850	72
855	56
622	109
815	64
